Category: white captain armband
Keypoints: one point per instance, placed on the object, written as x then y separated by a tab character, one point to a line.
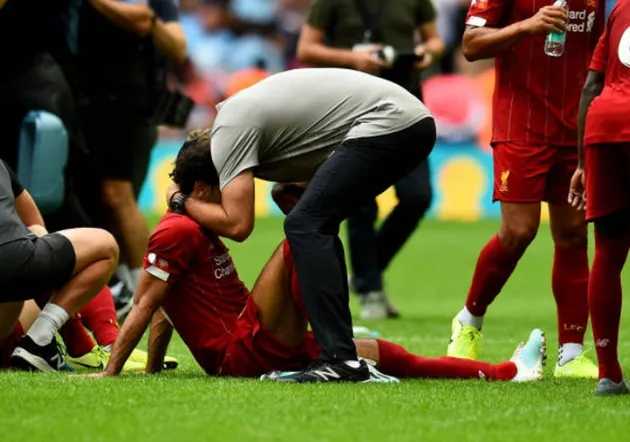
476	21
158	273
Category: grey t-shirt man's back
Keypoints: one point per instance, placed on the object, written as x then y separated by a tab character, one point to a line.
11	226
286	126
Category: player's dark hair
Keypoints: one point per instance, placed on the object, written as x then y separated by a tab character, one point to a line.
194	162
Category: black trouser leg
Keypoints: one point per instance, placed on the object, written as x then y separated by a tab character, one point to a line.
362	241
414	198
355	174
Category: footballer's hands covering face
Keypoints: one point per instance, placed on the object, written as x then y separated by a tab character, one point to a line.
286	196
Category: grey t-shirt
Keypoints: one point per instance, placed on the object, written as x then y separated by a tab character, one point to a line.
286	126
11	226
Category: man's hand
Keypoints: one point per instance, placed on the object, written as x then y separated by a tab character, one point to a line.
427	57
365	61
577	192
547	19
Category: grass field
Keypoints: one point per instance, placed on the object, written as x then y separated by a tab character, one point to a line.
428	282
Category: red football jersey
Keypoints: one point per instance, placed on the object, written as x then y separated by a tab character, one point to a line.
607	119
205	296
536	96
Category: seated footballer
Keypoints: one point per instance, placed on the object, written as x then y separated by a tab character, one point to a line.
190	284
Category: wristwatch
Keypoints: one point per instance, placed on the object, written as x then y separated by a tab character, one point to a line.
178	203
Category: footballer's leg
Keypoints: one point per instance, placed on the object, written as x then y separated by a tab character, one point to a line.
608	207
570	269
78	263
519	185
278	312
526	364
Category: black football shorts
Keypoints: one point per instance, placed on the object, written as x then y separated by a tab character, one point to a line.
31	267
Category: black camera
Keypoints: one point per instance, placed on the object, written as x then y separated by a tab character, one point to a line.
391	56
173	109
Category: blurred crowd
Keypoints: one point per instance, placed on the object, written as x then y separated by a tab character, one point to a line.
234	43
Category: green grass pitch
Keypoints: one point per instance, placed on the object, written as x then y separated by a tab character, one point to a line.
428	281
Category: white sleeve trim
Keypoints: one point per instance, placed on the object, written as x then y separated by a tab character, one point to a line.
476	21
158	273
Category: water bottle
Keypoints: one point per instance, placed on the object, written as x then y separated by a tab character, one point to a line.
554	42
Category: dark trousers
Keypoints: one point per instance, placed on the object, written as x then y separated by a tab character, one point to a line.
372	250
352	176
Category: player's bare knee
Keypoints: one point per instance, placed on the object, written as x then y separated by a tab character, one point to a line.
571	236
517	235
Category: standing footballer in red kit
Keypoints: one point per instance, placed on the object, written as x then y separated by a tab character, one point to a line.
534	137
604	172
190	281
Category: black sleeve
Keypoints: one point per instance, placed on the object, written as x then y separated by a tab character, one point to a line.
166	10
15	183
321	13
425	12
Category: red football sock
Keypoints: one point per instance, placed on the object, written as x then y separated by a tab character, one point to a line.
494	267
8	345
77	340
396	361
604	301
99	316
569	283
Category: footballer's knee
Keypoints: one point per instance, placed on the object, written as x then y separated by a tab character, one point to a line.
517	234
570	231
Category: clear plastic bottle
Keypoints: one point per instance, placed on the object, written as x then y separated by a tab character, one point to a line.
554	42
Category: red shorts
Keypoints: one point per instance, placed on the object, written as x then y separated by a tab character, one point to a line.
253	351
525	173
607	173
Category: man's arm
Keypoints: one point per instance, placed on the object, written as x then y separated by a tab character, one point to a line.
137	17
592	88
481	42
159	338
432	46
170	40
233	217
149	296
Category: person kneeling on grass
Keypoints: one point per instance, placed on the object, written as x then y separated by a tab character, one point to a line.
191	284
73	265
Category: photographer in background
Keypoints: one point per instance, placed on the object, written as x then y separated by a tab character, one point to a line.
123	51
378	37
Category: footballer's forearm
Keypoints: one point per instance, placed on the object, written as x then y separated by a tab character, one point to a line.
592	88
129	337
482	42
159	338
